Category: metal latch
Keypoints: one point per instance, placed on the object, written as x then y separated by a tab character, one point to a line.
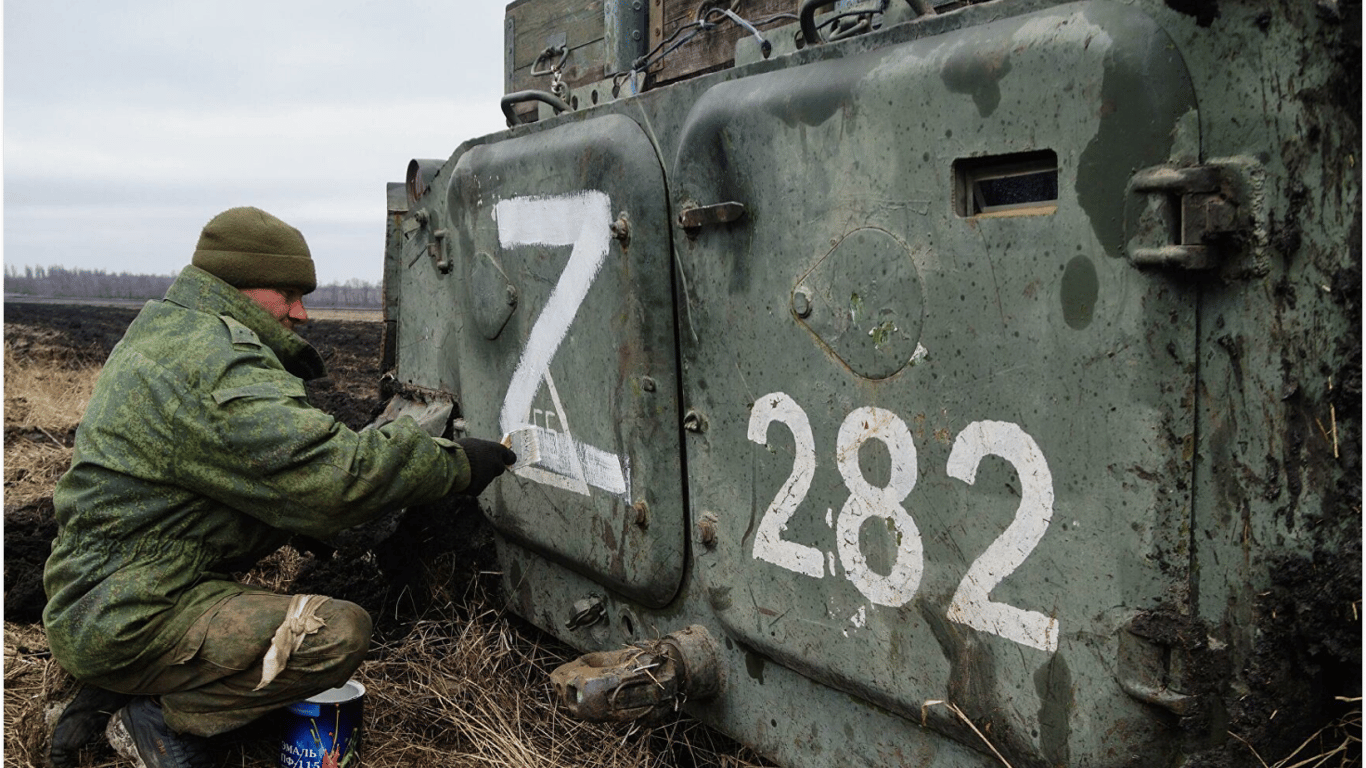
1181	217
434	244
692	217
644	681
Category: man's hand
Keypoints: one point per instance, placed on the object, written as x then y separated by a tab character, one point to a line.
487	461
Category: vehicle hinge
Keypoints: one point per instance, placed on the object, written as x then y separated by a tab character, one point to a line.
1163	658
1183	217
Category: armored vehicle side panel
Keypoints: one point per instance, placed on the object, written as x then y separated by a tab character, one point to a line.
972	386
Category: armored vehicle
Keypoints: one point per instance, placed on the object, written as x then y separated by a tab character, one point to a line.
915	383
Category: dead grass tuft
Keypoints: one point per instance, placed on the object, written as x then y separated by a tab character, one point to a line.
40	395
32	468
1336	745
32	681
43	405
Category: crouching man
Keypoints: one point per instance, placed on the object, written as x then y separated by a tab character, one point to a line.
197	455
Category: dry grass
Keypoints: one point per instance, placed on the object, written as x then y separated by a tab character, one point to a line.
32	467
1336	745
43	404
467	686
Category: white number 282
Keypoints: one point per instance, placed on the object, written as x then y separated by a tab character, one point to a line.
970	604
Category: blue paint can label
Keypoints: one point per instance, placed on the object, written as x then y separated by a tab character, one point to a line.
324	731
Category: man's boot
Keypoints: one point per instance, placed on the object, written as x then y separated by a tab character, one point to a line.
139	733
77	722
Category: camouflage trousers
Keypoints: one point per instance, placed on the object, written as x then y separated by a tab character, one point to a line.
206	683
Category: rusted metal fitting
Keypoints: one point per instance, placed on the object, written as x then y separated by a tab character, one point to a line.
587	612
706	530
694	421
621	229
642	681
1180	216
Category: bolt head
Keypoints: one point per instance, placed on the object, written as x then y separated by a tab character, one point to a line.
707	532
694	422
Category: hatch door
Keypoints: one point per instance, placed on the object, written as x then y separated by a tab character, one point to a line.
946	455
568	346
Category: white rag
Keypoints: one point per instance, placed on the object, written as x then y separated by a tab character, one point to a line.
301	619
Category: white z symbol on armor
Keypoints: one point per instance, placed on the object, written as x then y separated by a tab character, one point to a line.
583	221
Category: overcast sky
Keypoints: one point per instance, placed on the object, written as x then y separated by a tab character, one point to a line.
128	125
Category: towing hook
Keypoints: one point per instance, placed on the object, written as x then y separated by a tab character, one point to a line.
646	681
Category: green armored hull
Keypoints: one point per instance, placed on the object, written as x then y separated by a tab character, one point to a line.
934	385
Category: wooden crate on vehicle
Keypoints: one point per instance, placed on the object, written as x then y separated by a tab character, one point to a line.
580	42
569	42
709	50
532	26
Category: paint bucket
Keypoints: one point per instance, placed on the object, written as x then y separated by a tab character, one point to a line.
324	731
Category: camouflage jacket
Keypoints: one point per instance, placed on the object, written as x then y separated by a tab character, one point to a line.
197	455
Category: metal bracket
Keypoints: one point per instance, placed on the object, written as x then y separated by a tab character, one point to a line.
1179	217
693	217
847	24
434	244
626	25
437	250
1150	668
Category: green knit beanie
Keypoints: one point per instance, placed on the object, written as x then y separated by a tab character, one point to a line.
249	248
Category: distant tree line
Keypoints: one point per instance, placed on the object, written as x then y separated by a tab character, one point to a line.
352	293
84	283
60	282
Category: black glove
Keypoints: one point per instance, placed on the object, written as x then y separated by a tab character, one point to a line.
487	461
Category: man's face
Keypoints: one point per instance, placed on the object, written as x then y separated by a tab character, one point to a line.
283	304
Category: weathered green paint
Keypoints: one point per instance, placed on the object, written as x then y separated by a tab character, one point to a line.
857	388
498	293
865	302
